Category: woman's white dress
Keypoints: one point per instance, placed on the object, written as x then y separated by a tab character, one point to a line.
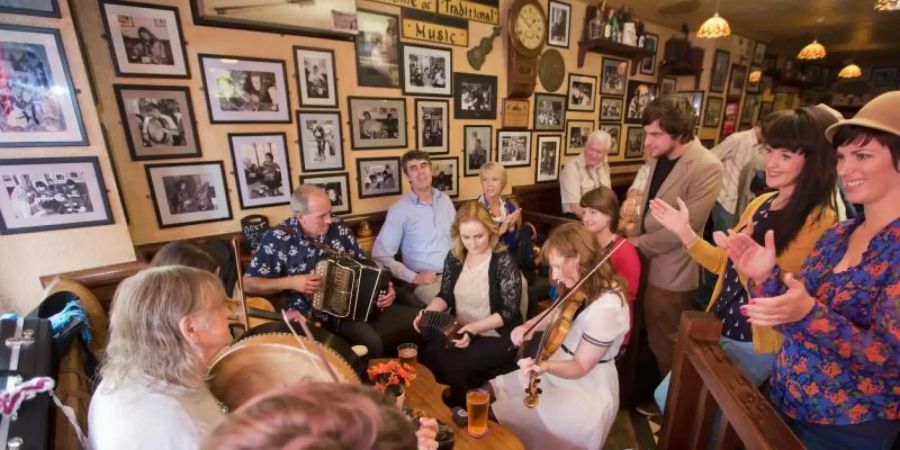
571	414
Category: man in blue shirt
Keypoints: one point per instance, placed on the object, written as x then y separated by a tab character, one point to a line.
418	226
286	258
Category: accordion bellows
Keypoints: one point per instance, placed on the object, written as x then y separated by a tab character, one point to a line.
350	288
439	325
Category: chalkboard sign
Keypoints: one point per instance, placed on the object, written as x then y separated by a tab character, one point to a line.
253	227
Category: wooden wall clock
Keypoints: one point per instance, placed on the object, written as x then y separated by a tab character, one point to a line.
527	34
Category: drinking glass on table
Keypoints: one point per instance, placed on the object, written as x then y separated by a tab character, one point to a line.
409	354
477	409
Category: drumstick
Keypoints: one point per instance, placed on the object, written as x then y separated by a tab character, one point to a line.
239	271
287	315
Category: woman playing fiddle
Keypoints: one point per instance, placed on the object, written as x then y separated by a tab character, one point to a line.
579	382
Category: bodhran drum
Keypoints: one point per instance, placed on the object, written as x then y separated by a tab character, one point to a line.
266	362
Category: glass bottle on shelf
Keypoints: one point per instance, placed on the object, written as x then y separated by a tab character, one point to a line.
607	28
595	27
614	19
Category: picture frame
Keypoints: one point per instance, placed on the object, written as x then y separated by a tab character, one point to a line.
159	121
337	186
615	132
262	171
719	74
477	149
648	64
330	19
547	157
549	112
42	72
445	178
475	96
377	46
245	90
582	92
782	100
577	132
729	119
713	113
764	109
759	53
188	193
40	8
378	177
432	125
559	24
696	99
885	76
516	113
612	109
426	70
640	93
634	143
316	76
667	86
750	109
513	148
754	87
738	80
321	140
377	123
145	40
43	194
613	76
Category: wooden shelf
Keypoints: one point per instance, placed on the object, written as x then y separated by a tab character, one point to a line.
683	69
608	47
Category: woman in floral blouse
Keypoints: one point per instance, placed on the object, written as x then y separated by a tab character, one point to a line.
836	376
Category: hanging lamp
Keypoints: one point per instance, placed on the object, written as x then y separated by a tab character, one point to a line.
715	27
850	71
887	5
813	50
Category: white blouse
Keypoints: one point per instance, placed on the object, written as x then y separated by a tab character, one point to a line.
473	301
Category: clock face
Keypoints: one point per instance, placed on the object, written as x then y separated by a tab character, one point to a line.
529	27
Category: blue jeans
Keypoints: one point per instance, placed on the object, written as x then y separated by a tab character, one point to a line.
722	219
874	435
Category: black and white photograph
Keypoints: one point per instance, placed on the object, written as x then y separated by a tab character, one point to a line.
559	24
43	194
426	70
316	76
582	92
261	169
611	109
696	99
640	94
245	90
433	125
158	121
885	76
475	96
764	109
738	81
377	177
39	106
750	109
634	143
514	148
615	132
759	53
377	49
577	132
667	86
191	193
477	147
43	8
613	75
548	150
377	122
713	113
145	41
719	74
445	175
648	64
321	145
549	112
336	185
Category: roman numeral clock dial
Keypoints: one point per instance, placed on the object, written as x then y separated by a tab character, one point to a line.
526	34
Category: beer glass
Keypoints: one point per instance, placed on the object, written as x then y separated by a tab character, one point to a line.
408	354
477	401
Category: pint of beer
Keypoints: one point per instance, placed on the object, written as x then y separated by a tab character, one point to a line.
477	401
408	354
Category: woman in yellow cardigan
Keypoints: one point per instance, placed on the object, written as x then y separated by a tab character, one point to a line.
800	166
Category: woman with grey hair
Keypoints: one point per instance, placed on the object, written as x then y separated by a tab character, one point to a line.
586	172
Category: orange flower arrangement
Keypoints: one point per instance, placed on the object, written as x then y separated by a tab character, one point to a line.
391	376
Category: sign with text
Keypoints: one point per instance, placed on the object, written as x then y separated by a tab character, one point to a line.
486	11
420	5
431	27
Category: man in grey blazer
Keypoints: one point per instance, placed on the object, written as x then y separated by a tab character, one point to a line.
684	169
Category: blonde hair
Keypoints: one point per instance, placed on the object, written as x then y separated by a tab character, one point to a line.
495	168
473	211
573	240
144	333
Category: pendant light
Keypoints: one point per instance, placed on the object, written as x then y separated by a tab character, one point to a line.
813	50
850	71
887	5
715	27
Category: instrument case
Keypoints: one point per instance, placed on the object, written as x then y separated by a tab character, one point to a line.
26	351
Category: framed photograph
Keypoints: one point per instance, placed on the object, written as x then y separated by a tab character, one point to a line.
476	96
559	24
738	80
548	150
377	49
750	109
648	64
43	8
329	19
708	143
713	112
729	120
316	76
613	75
696	99
640	93
611	109
783	100
145	41
753	87
549	112
159	121
190	193
582	92
477	147
516	112
433	125
615	132
321	142
261	169
667	87
884	76
764	109
41	107
42	194
427	70
759	53
336	185
245	90
445	176
377	122
719	74
577	132
514	148
634	143
377	177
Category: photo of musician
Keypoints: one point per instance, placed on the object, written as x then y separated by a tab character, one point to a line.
579	381
477	259
286	261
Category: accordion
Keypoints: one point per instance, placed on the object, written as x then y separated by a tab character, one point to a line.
435	325
350	287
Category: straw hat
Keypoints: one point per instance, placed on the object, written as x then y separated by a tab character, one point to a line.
881	113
